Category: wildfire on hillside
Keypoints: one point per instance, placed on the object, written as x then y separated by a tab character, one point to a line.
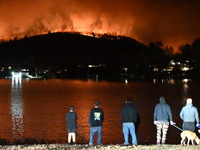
173	22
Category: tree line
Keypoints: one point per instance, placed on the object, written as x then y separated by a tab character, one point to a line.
74	52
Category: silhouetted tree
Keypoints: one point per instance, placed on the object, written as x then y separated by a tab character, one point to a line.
169	51
196	49
25	37
156	54
186	51
156	48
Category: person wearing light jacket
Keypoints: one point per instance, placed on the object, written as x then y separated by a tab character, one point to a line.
162	117
189	114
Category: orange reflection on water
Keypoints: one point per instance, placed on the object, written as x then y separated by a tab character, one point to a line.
17	108
33	111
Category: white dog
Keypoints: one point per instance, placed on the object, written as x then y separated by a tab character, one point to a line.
191	136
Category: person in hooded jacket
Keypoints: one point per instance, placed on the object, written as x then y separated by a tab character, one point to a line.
128	118
189	115
162	117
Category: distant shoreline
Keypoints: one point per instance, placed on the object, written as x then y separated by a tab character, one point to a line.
97	147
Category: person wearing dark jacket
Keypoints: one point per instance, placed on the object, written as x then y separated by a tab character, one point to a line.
128	118
96	118
162	116
71	118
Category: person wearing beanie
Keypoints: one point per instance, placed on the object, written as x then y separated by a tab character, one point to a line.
71	118
128	119
162	117
95	120
189	114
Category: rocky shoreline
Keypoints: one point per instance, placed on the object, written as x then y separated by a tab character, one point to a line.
97	147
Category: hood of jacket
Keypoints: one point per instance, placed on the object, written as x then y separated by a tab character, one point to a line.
162	99
128	104
189	105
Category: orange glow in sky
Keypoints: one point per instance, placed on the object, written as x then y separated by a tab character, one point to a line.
175	22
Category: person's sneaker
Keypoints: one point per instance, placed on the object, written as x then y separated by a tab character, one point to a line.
73	143
126	144
87	145
99	145
158	143
90	145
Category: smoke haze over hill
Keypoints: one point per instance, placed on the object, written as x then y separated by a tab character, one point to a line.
174	22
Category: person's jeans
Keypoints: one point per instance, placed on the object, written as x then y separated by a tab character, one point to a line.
93	131
129	128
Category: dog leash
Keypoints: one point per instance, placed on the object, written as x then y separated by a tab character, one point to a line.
177	127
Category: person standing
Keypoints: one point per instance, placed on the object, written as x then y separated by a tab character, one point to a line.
162	117
96	118
189	115
128	118
71	118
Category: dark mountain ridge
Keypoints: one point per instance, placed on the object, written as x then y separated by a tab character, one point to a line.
69	49
70	55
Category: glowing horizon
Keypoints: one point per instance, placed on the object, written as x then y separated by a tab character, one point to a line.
172	22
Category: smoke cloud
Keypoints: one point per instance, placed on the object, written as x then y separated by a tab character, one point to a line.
174	22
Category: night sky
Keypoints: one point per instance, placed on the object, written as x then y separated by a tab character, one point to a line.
174	22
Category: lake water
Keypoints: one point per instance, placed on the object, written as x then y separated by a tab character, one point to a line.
33	111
